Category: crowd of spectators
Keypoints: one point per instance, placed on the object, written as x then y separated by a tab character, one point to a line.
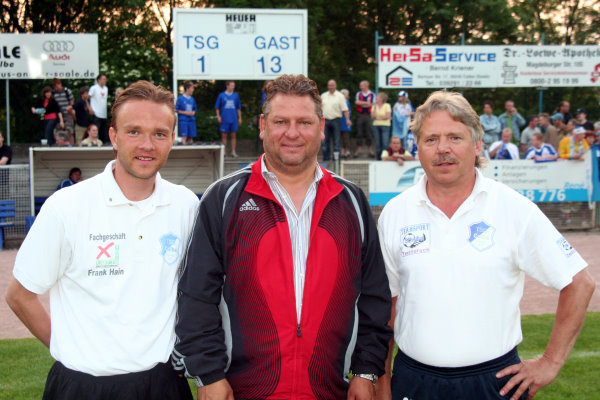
376	121
508	136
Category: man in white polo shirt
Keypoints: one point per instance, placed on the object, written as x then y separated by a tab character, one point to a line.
110	261
456	247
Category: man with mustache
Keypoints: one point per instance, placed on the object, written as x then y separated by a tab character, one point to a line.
456	247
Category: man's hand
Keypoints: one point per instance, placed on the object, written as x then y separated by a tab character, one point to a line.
383	388
361	389
532	374
219	390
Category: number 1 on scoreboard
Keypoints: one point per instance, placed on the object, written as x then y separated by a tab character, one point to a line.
200	63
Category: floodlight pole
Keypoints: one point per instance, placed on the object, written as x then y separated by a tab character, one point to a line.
378	37
541	89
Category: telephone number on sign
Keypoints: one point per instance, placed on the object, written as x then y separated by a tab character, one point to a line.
554	195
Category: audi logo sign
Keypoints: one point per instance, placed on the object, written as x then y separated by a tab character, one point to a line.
52	46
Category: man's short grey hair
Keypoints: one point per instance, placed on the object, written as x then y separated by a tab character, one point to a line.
459	109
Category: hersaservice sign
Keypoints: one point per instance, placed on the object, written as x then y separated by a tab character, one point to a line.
48	55
488	66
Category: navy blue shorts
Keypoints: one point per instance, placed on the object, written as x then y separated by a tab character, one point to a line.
412	380
226	127
187	128
158	383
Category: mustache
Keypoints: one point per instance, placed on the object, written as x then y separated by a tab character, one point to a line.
444	159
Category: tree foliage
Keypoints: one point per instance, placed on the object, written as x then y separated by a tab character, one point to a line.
135	40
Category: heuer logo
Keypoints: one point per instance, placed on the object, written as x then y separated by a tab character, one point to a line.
249	205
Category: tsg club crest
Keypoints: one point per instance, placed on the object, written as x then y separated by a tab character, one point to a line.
565	247
415	239
481	236
169	248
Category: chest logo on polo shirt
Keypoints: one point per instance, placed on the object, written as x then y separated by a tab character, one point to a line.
481	235
170	248
566	247
108	254
415	239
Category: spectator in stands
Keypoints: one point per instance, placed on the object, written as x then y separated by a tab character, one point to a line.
229	115
512	119
364	125
48	107
401	116
563	108
528	132
83	111
559	124
5	151
590	138
539	150
74	177
186	108
64	98
570	127
91	137
5	159
335	108
597	130
99	102
490	123
573	147
396	152
63	139
582	120
411	145
345	125
548	130
381	112
503	149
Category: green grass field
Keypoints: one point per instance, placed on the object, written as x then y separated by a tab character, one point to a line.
25	362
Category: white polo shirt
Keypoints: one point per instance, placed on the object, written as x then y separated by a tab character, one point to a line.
111	266
459	280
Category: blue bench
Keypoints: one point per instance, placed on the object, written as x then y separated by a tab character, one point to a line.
7	210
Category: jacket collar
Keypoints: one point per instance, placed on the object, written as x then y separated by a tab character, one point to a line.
327	190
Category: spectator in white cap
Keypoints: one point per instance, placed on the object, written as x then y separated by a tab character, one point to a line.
401	114
573	147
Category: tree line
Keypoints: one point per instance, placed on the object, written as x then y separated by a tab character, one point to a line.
134	38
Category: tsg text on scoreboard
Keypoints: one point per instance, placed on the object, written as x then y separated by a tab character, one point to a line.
239	43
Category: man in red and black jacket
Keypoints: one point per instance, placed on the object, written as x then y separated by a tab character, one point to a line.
284	290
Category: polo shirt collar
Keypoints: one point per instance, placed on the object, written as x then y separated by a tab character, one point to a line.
481	186
113	196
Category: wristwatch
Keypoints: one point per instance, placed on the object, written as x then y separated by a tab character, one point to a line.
371	377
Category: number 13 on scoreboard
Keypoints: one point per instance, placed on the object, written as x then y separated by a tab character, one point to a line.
269	65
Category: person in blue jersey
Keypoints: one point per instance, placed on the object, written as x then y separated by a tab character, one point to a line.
539	150
186	114
504	149
229	114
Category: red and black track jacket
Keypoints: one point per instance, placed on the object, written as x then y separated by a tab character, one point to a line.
236	308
